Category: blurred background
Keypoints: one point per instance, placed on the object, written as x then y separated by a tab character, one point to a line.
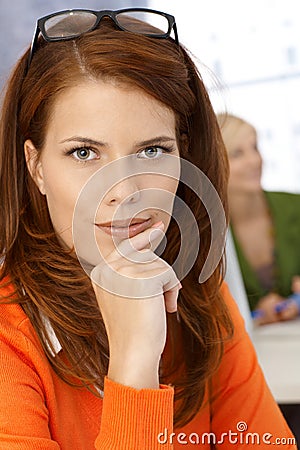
248	53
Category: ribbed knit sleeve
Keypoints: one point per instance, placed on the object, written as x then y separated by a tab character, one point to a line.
133	419
38	411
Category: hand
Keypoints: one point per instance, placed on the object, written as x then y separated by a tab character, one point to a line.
266	309
134	288
274	308
290	308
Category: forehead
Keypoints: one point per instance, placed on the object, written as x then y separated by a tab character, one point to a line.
239	134
101	105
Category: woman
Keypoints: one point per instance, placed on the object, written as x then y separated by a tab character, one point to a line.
264	225
110	364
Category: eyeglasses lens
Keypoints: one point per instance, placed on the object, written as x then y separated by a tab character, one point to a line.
144	22
70	24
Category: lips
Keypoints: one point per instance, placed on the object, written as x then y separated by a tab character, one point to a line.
125	228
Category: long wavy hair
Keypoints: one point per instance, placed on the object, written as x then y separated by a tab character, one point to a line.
49	282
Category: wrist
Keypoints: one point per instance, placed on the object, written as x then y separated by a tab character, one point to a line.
135	371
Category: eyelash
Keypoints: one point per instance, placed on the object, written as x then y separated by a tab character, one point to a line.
164	148
72	152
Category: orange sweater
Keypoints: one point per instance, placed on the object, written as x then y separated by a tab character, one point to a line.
38	411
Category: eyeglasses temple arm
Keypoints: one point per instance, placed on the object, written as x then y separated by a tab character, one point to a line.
33	45
175	33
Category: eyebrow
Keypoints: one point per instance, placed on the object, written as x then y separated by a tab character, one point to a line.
87	140
155	140
84	140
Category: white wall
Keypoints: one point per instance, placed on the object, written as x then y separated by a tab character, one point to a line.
253	46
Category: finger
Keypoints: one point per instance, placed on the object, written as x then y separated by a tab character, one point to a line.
290	311
141	241
281	307
171	299
135	245
270	315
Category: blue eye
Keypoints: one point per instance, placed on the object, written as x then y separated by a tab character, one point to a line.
153	152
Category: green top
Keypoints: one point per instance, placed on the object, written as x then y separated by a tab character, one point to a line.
285	212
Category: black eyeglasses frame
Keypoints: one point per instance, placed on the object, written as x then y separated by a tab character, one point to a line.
112	14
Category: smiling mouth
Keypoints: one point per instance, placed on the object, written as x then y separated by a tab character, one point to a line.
125	228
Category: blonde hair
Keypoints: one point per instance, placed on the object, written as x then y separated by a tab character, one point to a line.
229	126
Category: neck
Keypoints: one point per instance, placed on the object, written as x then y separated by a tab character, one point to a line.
246	206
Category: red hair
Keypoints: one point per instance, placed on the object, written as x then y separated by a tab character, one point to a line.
48	279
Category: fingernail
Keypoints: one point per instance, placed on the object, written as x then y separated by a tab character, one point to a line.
159	224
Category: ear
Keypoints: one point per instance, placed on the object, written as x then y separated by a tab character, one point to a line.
34	165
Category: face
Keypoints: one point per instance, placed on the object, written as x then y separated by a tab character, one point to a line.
102	132
244	160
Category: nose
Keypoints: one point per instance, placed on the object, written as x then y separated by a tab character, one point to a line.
255	158
124	192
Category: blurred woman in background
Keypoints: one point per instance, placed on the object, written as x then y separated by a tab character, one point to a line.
265	226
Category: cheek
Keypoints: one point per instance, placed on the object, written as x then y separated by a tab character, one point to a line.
163	197
172	185
62	185
163	183
237	169
164	189
61	195
259	161
236	177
